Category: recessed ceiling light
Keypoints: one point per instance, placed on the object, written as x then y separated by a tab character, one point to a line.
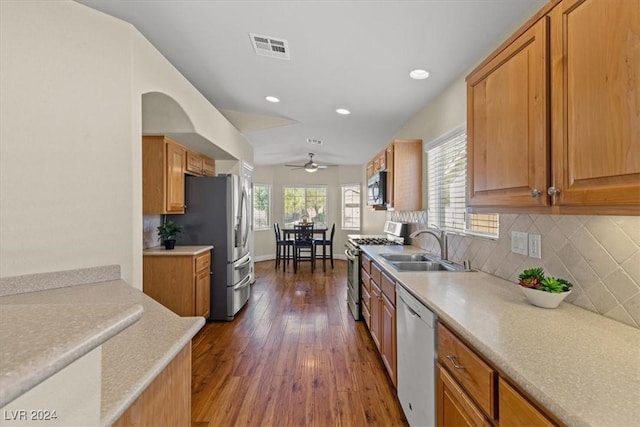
272	99
343	111
419	74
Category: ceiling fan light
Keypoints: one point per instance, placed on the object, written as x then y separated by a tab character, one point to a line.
311	168
343	111
272	99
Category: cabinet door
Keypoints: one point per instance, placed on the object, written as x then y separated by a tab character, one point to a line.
389	345
175	177
507	124
376	313
208	166
194	163
390	172
516	411
453	406
203	292
596	102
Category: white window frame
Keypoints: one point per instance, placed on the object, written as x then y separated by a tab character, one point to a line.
343	189
444	209
307	186
269	205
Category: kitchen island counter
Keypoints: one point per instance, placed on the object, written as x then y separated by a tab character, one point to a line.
583	367
131	359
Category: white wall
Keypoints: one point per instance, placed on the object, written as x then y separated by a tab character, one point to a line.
278	176
71	84
65	139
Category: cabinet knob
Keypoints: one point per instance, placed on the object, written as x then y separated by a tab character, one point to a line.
553	191
454	362
535	193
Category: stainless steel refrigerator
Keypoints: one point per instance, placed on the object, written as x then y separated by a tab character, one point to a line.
217	213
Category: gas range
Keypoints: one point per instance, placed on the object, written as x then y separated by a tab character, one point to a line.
373	240
396	234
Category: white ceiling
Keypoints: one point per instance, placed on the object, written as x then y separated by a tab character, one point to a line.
352	54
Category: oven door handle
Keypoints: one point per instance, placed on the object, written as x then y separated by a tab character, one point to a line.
349	255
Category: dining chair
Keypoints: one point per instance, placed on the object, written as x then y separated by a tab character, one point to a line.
326	242
303	245
284	248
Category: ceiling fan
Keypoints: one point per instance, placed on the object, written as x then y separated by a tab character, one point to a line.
310	166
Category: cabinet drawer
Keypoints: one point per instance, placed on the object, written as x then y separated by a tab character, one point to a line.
203	261
516	410
454	408
366	280
376	274
473	374
389	288
366	263
366	298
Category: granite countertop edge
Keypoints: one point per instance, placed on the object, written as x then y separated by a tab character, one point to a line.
508	347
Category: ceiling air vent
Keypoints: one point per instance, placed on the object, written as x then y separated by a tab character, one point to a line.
314	141
270	46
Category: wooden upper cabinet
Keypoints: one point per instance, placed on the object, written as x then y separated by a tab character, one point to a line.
163	164
404	174
507	129
194	164
208	166
553	116
595	52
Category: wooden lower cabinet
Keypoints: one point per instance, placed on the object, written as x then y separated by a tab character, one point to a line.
179	282
516	410
167	400
381	321
469	391
453	405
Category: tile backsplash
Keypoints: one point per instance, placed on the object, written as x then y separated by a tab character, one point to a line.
600	255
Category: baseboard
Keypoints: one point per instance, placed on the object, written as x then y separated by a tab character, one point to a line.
271	257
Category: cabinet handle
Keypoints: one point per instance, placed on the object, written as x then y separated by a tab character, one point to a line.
454	362
535	193
553	191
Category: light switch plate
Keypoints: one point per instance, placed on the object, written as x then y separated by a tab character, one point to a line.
535	246
519	242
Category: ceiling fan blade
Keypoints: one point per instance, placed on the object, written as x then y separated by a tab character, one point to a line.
294	166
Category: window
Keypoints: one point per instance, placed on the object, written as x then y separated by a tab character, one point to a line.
261	206
351	207
447	175
308	202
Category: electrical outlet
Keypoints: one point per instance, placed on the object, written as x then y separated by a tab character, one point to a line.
519	242
535	246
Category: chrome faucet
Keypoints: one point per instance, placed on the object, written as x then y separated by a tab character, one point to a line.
440	237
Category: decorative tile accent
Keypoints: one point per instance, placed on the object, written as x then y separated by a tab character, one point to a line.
600	255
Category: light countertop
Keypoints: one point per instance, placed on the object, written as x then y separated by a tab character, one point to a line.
583	367
178	251
78	319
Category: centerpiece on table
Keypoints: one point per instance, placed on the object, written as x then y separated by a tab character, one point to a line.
167	233
541	291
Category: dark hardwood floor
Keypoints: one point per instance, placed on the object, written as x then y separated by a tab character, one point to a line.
293	356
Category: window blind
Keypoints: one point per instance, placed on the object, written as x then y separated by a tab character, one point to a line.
447	187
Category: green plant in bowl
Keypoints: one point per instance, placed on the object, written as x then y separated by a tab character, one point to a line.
167	233
541	291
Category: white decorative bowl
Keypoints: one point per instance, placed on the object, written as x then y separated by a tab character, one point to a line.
544	299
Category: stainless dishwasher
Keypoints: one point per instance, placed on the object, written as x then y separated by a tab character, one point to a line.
416	359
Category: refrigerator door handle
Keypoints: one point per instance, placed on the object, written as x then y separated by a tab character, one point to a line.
243	262
245	282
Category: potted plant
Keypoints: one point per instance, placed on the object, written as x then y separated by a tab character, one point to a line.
541	291
167	233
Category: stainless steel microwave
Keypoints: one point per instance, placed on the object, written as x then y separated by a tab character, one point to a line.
377	189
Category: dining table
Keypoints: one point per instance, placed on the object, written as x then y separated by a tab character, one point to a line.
290	231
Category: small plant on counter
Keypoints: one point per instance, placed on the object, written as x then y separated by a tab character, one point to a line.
534	278
167	233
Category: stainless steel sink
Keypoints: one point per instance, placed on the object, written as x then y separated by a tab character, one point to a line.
420	266
407	257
